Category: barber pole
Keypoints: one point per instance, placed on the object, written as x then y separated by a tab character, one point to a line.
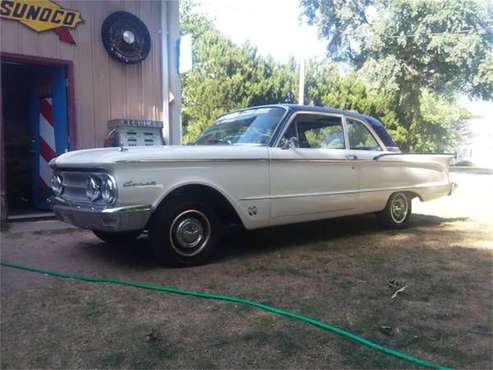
47	147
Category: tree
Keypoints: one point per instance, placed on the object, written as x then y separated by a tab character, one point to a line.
226	76
416	49
441	45
326	86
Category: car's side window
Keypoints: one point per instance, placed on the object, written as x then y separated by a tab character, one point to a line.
317	131
360	138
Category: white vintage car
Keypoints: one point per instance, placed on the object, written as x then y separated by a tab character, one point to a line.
257	167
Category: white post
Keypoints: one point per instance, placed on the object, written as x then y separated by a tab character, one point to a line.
164	71
301	82
173	72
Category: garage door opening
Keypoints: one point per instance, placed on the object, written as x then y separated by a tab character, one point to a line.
35	130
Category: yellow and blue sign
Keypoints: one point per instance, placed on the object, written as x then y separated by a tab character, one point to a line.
41	15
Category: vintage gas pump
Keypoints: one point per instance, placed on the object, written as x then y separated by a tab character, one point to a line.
131	132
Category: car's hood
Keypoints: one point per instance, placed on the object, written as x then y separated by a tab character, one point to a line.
105	157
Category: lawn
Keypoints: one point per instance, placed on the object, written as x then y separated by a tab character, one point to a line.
343	272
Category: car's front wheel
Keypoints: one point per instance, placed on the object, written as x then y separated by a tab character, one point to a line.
184	232
117	237
397	212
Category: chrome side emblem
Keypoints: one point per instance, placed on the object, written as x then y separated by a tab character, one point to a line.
252	211
131	183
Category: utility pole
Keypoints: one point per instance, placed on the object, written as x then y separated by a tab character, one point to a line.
301	82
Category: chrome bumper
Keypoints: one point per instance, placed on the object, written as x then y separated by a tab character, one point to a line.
116	219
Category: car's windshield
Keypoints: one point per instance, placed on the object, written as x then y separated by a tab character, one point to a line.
253	126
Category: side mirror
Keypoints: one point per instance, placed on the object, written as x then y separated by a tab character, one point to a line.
290	143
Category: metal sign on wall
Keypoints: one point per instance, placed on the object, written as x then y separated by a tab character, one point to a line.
42	15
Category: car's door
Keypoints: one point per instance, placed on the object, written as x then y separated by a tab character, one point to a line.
364	145
315	178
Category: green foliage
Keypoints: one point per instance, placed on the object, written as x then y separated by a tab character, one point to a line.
325	86
483	81
440	127
226	77
418	54
440	45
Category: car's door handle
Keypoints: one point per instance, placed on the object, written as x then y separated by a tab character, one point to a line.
351	157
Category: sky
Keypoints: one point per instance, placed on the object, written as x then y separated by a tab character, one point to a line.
273	26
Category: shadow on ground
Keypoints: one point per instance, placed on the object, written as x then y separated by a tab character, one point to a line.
238	242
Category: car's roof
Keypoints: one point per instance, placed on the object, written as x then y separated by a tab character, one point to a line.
313	108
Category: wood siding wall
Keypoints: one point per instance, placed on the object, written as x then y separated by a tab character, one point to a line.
104	88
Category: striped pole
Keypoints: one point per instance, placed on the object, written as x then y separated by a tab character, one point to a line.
47	147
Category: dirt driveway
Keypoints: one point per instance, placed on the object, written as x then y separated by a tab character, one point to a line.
337	271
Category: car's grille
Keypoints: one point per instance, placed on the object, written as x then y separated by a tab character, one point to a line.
74	183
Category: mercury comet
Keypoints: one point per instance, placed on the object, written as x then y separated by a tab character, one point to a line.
256	167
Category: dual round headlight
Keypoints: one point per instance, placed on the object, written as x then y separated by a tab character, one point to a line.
101	186
57	184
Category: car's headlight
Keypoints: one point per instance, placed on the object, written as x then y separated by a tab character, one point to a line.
101	187
93	188
108	189
57	184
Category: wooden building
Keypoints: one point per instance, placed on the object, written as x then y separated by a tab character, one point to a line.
67	68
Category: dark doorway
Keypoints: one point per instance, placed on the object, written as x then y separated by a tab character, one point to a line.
34	113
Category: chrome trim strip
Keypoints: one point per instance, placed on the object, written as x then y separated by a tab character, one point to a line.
345	133
450	155
328	160
58	201
315	213
307	195
133	208
330	193
193	160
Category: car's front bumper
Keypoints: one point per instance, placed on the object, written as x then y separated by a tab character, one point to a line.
127	218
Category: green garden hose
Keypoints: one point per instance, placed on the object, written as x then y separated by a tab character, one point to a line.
319	324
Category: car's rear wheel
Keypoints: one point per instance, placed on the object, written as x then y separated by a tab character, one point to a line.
397	212
117	237
184	232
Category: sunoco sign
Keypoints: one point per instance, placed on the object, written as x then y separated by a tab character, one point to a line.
41	15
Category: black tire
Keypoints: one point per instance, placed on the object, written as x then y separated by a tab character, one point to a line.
185	232
397	212
117	237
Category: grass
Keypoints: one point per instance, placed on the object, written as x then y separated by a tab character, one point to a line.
339	274
112	360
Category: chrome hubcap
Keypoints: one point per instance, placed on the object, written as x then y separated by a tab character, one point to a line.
189	232
399	208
